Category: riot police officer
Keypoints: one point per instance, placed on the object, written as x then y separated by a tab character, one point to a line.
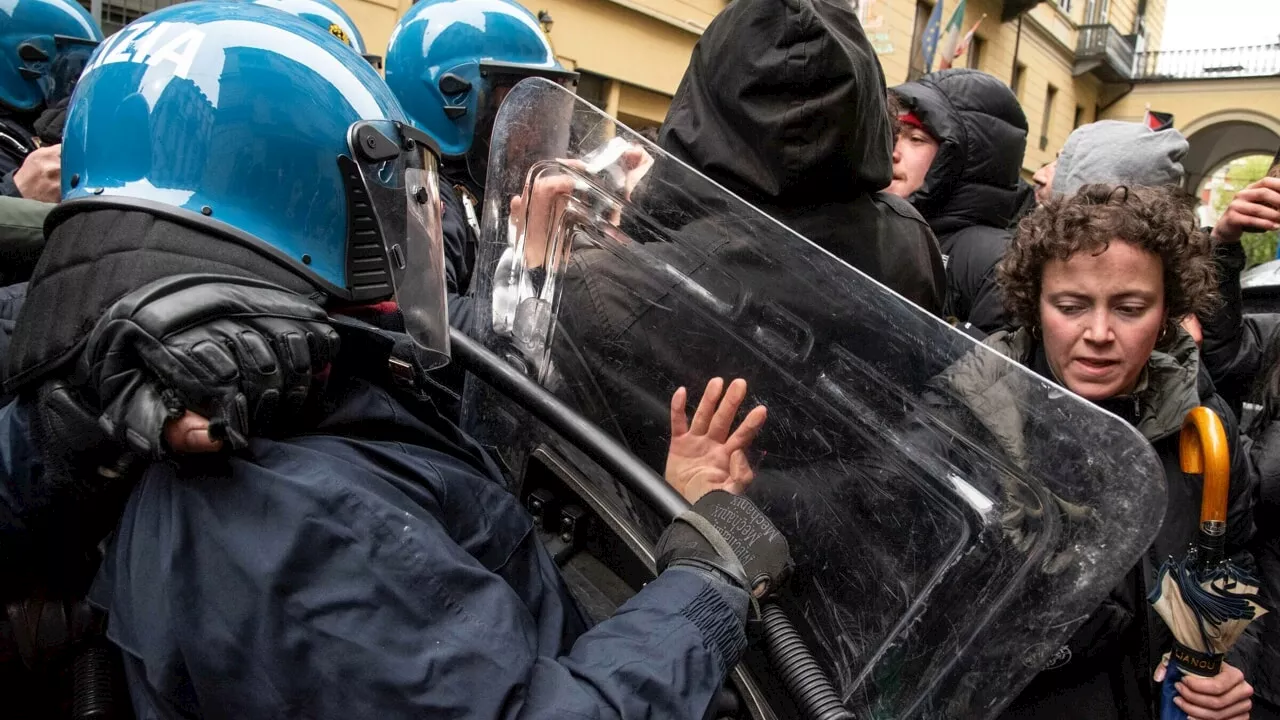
451	65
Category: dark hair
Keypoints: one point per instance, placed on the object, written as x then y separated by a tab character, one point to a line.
1158	220
895	107
649	133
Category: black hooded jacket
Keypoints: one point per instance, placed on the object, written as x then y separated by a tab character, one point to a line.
784	104
970	194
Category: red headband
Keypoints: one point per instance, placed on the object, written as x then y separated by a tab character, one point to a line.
909	118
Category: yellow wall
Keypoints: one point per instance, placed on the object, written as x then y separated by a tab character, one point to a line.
894	21
375	20
1196	104
617	41
1155	23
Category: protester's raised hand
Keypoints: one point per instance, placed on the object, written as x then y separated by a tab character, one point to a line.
704	455
1254	209
533	211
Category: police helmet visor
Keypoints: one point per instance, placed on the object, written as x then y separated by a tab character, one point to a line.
398	167
56	63
499	78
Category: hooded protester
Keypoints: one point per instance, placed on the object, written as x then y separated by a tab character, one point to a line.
1067	266
366	556
808	143
970	194
1112	152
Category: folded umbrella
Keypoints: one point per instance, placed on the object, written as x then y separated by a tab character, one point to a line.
1204	598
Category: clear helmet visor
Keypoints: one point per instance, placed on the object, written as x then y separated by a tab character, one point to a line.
399	169
499	78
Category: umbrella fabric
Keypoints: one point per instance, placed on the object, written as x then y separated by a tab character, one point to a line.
1207	609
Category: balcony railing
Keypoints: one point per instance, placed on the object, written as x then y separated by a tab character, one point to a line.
1103	50
1235	62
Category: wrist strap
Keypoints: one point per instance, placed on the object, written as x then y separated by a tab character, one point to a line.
733	564
1194	661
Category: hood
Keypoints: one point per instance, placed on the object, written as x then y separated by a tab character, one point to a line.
982	135
784	104
1120	153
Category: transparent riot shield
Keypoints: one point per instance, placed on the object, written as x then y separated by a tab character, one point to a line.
953	516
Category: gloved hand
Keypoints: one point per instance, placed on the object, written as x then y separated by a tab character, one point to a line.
727	535
243	353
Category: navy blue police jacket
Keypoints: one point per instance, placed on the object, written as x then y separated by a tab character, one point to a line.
375	566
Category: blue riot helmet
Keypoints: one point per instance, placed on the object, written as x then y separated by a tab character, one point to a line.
256	128
451	62
44	45
327	15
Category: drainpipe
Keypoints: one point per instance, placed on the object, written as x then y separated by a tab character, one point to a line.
1017	43
612	96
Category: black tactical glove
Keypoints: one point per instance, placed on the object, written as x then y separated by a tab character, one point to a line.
243	353
727	535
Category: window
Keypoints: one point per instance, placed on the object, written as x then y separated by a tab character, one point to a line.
1065	5
1078	120
975	52
115	14
1019	72
1050	95
917	68
1095	12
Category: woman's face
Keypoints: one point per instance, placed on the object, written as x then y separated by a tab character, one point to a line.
1101	316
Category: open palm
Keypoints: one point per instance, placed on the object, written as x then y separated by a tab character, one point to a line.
704	455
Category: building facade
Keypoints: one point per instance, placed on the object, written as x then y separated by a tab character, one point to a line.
632	53
1069	61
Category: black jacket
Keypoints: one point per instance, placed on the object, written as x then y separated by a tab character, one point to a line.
459	245
1242	354
970	195
16	142
784	104
11	299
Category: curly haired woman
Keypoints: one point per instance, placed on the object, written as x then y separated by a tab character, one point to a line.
1097	282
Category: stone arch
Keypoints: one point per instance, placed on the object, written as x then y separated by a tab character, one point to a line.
1220	137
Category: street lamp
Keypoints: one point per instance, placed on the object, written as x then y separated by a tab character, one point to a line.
545	18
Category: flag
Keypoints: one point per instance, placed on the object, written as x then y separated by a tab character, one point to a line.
1158	120
951	36
968	38
929	44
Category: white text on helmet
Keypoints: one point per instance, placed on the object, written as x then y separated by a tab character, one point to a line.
136	43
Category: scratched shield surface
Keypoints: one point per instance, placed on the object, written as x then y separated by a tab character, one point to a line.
953	516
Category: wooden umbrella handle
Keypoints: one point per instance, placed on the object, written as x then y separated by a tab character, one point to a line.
1203	450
